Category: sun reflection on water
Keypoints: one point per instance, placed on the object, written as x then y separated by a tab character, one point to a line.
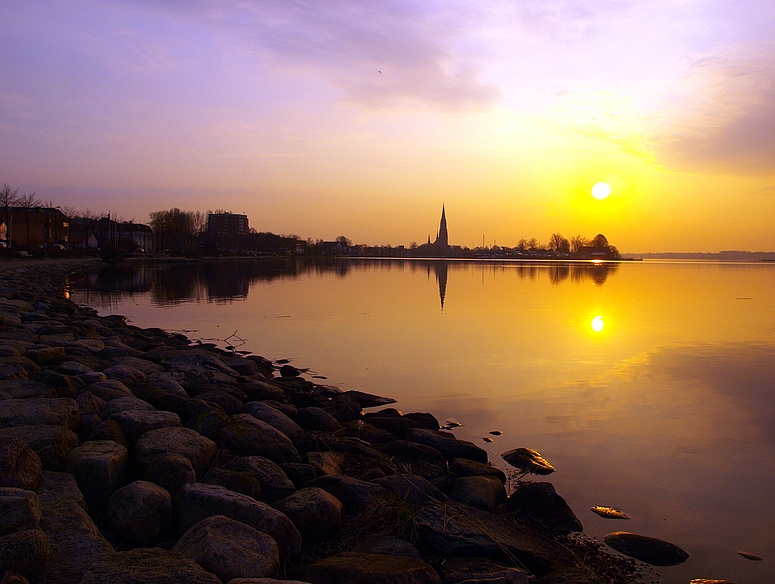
597	324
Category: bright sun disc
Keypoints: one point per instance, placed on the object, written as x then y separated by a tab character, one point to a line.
597	324
601	190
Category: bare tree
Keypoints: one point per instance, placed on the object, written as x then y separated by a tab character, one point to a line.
533	243
8	199
558	243
577	242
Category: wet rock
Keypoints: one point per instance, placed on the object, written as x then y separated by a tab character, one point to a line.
229	403
413	452
196	502
210	425
75	541
468	468
25	552
148	566
368	400
230	549
528	460
145	366
411	488
363	568
99	468
19	509
646	549
73	368
484	492
396	426
19	466
184	442
298	472
170	472
110	389
39	411
540	502
108	430
289	371
449	446
167	383
749	556
127	403
326	463
317	419
275	484
237	481
471	570
141	512
274	417
316	513
135	423
52	444
125	373
609	512
249	436
388	545
354	494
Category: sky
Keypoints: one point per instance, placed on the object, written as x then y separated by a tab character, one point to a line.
363	118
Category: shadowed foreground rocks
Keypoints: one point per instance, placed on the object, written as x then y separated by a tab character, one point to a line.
132	455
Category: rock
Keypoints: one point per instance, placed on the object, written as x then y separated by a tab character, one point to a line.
184	442
19	466
108	430
289	371
171	472
19	509
148	566
167	383
460	530
210	425
298	472
540	502
274	417
749	556
99	468
45	355
230	549
468	468
135	423
363	568
121	404
196	502
411	488
317	419
75	541
141	512
528	460
52	444
480	491
25	552
423	420
470	570
25	389
39	411
249	436
449	446
89	403
354	494
11	577
264	581
414	452
110	389
237	481
230	404
367	400
388	545
396	426
125	373
316	513
275	484
73	368
93	377
142	365
326	463
609	512
646	549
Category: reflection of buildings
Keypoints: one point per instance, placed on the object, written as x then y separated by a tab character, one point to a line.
440	269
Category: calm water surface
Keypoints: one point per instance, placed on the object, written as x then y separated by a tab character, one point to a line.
650	386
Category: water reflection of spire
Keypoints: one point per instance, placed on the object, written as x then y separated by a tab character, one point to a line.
441	277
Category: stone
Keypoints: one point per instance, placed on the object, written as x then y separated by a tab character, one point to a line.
75	541
229	403
237	481
397	426
367	400
423	420
317	419
264	581
11	577
108	430
210	425
148	566
449	446
363	568
646	549
99	468
73	368
143	365
25	389
326	463
366	432
248	436
45	355
19	466
539	501
388	545
354	494
275	484
274	417
200	451
170	472
52	444
468	468
39	411
19	509
528	460
480	491
609	512
25	552
121	404
125	373
167	383
140	512
299	472
230	549
93	377
470	570
196	502
411	488
110	389
135	423
414	452
316	513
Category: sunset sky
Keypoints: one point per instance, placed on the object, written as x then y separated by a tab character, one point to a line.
360	118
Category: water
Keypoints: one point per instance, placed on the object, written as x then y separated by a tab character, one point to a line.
650	386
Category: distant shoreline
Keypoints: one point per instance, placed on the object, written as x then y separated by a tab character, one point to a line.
735	256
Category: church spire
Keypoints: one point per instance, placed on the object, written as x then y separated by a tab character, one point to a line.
443	238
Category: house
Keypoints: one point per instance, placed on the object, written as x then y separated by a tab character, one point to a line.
29	227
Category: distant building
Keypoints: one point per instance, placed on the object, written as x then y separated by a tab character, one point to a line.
29	227
227	224
440	248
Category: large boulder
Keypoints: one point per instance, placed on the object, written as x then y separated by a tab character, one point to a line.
326	463
170	472
480	491
99	468
363	568
110	389
354	494
230	549
413	489
237	481
646	549
463	467
275	484
19	465
25	552
141	512
249	436
184	442
274	417
539	501
135	423
52	444
39	411
447	444
121	404
196	502
148	566
19	509
316	513
317	419
389	545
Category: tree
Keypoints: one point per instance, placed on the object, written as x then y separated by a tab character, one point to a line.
176	228
27	201
577	242
344	241
532	244
8	199
558	243
522	244
599	241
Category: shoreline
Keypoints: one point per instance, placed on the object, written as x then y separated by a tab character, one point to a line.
146	443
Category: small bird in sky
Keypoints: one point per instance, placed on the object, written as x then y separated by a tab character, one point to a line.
380	72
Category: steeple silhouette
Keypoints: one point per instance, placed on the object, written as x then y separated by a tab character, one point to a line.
443	238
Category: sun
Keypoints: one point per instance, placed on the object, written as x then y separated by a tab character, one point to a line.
601	190
598	324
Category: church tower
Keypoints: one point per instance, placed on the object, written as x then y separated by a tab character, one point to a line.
443	238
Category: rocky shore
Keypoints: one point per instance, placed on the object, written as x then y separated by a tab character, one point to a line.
132	455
